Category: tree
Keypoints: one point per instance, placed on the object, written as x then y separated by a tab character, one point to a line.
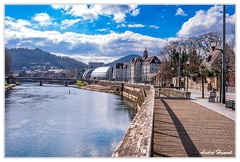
232	41
205	39
8	61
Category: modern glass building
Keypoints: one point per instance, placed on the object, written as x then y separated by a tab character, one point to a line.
102	73
87	74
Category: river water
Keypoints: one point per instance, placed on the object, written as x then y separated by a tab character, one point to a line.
47	121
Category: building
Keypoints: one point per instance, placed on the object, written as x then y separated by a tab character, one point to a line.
102	73
142	68
126	71
95	64
118	72
87	74
214	58
150	65
135	70
214	61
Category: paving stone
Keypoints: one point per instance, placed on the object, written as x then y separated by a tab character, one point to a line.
185	128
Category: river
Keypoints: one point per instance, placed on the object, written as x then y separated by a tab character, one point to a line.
47	121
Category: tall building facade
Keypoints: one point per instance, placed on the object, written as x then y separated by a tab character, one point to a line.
141	68
95	65
137	70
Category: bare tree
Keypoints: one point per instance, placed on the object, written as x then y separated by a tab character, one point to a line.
205	39
232	42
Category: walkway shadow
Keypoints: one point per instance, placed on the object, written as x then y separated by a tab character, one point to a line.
188	144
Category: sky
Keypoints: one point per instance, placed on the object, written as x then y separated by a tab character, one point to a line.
106	32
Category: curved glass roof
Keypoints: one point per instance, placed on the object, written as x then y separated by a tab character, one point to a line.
87	73
100	71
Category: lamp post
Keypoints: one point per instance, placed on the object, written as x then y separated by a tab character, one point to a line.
172	75
188	62
184	79
179	68
201	71
223	83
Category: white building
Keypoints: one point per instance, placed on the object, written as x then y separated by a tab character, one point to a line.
120	72
102	73
135	70
149	66
87	74
141	68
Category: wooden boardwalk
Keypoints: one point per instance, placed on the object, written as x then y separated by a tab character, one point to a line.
183	128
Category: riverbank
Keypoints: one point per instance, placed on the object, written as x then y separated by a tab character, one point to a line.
10	86
104	86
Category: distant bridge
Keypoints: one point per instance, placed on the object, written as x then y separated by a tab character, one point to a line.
66	81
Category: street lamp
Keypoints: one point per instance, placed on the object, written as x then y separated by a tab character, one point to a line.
223	80
223	55
179	55
172	75
202	74
188	62
213	44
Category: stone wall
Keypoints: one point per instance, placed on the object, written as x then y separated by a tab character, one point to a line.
169	92
137	140
135	94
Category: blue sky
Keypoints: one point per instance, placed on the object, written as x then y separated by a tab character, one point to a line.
107	32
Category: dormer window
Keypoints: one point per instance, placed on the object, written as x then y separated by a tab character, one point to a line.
208	58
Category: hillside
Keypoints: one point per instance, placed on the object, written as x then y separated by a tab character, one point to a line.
36	57
127	58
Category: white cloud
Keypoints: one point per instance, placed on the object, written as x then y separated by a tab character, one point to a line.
153	26
136	12
92	12
16	24
121	25
103	30
206	21
180	12
64	7
66	23
83	11
100	47
136	25
43	19
89	58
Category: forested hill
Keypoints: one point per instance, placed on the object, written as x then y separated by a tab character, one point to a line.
31	57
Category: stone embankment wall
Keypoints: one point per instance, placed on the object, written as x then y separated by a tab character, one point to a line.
137	140
169	92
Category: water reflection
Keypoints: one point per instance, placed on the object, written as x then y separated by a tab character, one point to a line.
47	121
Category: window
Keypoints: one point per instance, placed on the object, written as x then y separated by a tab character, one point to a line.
208	58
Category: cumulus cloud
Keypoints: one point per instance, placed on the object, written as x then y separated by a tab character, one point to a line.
109	46
92	12
16	24
206	21
180	12
43	19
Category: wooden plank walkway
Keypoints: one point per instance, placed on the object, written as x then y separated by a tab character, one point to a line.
183	128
